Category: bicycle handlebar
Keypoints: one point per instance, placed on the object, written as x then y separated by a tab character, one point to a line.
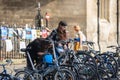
89	42
113	46
8	62
51	42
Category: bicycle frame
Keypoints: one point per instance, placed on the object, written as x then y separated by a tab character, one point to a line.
4	70
47	70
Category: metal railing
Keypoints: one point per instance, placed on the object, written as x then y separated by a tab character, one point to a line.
15	52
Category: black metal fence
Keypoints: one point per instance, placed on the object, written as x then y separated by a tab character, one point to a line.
15	53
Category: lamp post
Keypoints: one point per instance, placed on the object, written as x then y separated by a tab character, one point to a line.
118	23
47	18
98	24
38	17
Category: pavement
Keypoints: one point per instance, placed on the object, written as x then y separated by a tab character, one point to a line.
15	61
17	64
20	64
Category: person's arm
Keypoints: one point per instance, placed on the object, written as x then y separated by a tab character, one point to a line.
52	34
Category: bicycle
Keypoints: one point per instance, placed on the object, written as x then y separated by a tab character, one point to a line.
4	75
104	61
115	54
53	71
75	61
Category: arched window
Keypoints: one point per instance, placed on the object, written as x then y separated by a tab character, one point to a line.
104	9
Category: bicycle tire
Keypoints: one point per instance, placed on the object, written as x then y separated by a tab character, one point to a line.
103	75
64	74
26	75
5	77
37	76
113	63
88	71
86	58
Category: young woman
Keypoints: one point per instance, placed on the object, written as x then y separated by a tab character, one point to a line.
59	33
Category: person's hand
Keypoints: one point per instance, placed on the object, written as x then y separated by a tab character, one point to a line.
65	47
59	44
41	53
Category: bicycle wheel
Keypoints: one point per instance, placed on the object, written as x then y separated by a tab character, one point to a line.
87	72
64	74
85	58
37	76
24	75
103	75
5	77
109	64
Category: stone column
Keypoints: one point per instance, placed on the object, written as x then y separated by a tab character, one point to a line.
92	21
113	22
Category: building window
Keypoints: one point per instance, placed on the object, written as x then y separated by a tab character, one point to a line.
104	9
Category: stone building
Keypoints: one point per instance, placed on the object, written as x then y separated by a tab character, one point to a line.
107	22
82	12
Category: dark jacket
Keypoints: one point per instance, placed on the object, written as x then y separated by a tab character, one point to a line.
38	45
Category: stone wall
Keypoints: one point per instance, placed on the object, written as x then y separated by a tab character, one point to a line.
107	28
23	12
82	12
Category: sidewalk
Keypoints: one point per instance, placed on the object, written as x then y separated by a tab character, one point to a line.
17	64
15	61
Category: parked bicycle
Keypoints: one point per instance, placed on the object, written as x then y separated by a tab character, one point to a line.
116	55
104	61
4	75
85	70
52	71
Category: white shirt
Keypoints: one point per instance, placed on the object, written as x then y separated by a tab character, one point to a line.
82	35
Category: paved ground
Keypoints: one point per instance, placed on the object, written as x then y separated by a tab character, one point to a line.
19	64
